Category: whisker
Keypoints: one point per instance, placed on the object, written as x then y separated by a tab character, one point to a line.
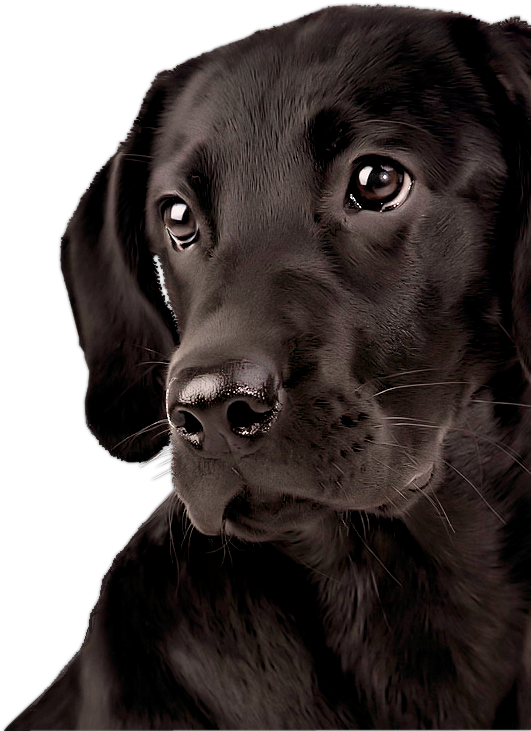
152	362
386	376
172	503
166	461
151	350
375	556
499	403
226	546
373	459
135	156
419	385
505	331
144	430
160	454
364	515
221	547
495	512
438	507
435	497
320	573
377	592
162	474
478	452
403	449
408	373
430	498
502	447
187	533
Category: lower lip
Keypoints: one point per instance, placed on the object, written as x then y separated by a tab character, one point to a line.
292	516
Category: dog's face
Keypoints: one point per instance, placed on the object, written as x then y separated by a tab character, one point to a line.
335	209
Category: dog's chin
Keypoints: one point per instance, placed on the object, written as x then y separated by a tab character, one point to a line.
253	520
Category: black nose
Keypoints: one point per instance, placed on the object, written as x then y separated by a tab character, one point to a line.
224	409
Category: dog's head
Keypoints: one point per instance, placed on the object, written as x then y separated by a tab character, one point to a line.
340	208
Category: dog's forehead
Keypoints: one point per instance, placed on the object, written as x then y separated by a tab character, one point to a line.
386	64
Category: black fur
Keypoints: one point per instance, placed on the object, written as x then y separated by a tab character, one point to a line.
318	589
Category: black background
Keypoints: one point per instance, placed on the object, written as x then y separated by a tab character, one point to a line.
75	83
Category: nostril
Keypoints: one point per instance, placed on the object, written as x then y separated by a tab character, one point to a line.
251	419
225	408
242	416
185	420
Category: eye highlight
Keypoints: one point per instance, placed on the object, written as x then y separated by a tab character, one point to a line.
180	223
378	184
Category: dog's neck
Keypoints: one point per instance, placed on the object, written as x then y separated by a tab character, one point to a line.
362	565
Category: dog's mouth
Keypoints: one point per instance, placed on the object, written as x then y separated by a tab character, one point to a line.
414	488
251	519
420	481
259	514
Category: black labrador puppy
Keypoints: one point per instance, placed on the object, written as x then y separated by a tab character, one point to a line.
341	357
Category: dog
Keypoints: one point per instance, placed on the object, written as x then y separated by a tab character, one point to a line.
309	267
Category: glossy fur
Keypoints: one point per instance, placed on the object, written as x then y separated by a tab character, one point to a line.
314	583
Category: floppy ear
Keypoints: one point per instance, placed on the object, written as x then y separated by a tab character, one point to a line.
501	56
511	62
124	326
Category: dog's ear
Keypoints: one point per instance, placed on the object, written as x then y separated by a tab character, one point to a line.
500	54
511	62
124	326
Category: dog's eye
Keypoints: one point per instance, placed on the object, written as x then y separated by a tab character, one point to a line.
378	184
180	223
